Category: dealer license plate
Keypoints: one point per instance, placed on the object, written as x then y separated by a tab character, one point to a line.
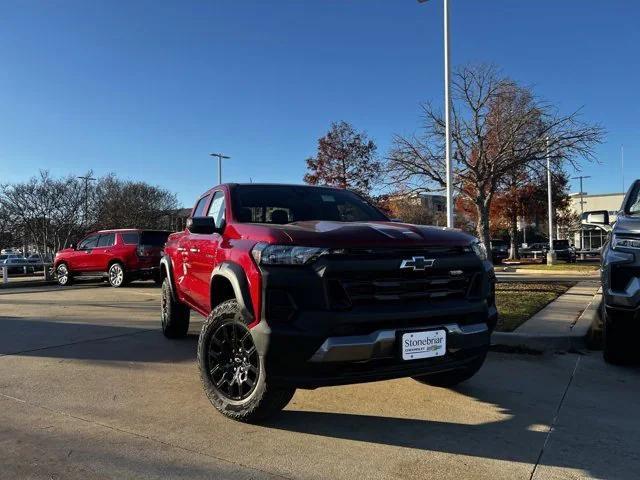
427	344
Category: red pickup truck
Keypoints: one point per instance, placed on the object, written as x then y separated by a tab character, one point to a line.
305	287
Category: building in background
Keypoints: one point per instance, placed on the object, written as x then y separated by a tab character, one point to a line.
592	237
612	202
419	208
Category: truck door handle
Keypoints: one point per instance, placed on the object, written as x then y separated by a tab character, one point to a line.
194	250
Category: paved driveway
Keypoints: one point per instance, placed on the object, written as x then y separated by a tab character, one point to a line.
89	388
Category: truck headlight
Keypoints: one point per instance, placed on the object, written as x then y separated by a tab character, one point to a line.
266	254
480	250
621	241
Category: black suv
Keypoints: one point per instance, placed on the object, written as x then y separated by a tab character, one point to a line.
621	278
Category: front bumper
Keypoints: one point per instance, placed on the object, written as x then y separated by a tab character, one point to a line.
323	349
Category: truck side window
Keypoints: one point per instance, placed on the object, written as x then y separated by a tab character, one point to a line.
216	210
199	210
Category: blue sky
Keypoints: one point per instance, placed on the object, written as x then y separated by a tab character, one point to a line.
146	89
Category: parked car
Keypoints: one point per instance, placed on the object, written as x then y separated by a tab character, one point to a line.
621	278
564	251
38	260
499	250
306	287
11	251
120	255
16	264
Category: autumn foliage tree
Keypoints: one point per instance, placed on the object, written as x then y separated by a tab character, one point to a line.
345	159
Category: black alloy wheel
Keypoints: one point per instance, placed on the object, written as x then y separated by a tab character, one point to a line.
233	361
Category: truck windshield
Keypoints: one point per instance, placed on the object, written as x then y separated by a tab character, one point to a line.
633	204
280	204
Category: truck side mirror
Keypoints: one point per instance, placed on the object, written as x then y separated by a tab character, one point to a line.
203	225
597	217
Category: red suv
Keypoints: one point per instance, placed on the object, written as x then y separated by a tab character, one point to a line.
121	255
306	287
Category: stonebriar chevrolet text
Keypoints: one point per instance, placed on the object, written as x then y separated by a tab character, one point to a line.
305	287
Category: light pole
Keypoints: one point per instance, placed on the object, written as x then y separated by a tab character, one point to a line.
551	255
582	192
220	158
447	108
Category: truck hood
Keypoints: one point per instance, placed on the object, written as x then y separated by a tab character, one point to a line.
355	234
626	224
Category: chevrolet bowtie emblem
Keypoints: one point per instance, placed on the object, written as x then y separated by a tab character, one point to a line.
417	263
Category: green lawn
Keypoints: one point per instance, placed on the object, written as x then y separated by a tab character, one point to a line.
573	267
517	302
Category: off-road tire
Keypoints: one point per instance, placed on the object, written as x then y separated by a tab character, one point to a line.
174	316
117	275
616	348
452	377
264	399
63	278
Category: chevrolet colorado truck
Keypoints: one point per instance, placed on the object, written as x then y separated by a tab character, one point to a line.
620	275
304	287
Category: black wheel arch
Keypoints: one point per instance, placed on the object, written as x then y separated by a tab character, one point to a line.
166	271
230	274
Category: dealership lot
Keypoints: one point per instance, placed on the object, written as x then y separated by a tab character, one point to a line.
89	388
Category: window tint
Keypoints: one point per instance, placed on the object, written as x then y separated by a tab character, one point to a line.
157	239
216	210
281	204
199	210
130	238
107	240
89	242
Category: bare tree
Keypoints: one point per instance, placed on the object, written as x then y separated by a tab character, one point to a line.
119	204
51	213
498	127
44	210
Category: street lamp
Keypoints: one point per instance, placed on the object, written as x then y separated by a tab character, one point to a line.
551	255
447	108
220	158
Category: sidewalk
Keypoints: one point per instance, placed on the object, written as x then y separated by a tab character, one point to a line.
561	325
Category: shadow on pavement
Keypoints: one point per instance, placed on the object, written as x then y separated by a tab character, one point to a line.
517	437
85	341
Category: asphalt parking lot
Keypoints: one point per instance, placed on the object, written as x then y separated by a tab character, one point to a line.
89	388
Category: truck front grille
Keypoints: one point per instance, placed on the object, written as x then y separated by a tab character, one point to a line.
345	293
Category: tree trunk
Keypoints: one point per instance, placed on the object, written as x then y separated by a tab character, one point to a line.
483	223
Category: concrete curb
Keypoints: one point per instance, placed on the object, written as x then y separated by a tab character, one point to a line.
574	340
536	271
27	284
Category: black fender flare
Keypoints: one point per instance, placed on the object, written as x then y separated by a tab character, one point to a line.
166	266
234	273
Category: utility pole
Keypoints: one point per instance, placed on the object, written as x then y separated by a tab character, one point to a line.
87	178
622	165
551	255
220	157
582	202
447	109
